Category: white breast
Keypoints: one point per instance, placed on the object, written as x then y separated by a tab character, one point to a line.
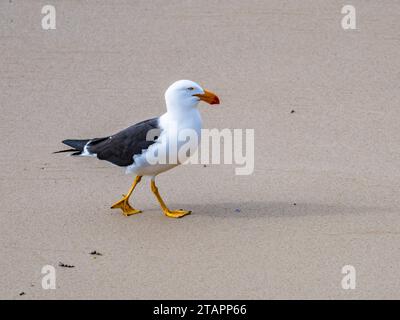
174	130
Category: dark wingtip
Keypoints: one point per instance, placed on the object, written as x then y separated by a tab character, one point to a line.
77	144
67	150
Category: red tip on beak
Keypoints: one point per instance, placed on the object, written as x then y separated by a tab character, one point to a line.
208	97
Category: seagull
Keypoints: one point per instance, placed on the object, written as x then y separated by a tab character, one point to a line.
132	147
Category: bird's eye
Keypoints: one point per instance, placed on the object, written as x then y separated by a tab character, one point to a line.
190	88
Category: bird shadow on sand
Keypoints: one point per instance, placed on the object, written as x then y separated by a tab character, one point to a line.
256	209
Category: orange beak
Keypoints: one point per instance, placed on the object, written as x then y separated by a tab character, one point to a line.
208	97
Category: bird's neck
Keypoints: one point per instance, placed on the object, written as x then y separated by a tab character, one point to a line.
188	118
180	111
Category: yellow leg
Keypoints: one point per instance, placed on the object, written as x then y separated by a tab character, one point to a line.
123	204
167	212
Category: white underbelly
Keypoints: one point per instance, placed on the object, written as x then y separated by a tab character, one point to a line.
150	170
172	148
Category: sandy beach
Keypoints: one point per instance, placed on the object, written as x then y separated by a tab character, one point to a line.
324	104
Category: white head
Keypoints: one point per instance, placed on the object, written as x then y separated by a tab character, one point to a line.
185	94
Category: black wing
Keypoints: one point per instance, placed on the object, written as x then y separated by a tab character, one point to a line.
120	148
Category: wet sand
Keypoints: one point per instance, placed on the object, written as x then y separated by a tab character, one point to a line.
325	190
